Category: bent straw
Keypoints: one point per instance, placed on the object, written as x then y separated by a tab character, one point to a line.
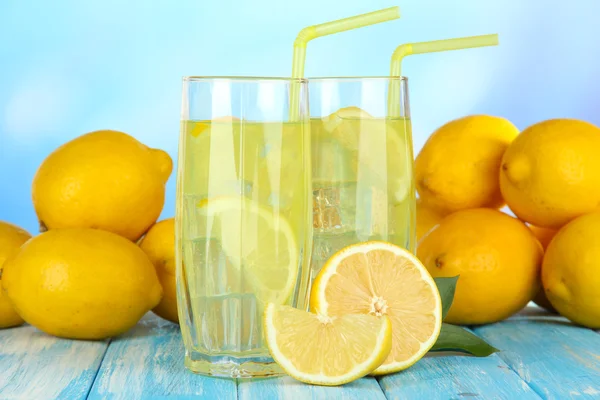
329	28
408	49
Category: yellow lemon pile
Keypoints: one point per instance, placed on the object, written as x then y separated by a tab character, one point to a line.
84	276
549	177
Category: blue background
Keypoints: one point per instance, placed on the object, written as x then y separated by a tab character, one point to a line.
68	67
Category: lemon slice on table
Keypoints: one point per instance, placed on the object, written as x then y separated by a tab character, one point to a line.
326	350
258	242
379	278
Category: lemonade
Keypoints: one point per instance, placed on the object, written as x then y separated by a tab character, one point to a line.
243	234
362	182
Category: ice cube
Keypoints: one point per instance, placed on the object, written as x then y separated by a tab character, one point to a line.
326	212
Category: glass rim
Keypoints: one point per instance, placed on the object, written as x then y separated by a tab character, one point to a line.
359	78
200	78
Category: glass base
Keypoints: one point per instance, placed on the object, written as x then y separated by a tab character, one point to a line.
232	367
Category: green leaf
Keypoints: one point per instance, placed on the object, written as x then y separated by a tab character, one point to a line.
455	338
446	287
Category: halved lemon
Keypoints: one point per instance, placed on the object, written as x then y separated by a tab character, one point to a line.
379	278
324	350
257	241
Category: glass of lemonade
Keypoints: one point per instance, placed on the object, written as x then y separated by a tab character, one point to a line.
362	164
244	217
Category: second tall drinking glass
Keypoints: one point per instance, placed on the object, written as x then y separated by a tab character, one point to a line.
362	164
243	217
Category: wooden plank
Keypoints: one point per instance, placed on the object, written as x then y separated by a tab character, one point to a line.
34	365
147	363
556	358
456	376
289	388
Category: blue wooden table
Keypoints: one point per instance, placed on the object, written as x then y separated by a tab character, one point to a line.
543	356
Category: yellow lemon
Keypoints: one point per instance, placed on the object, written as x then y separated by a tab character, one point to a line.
498	260
105	180
341	349
551	172
544	236
541	300
459	164
159	245
81	283
427	218
381	279
571	273
11	238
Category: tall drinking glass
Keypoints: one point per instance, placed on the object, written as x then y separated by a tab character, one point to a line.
243	221
363	186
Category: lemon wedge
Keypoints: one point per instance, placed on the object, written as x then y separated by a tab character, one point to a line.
324	350
381	279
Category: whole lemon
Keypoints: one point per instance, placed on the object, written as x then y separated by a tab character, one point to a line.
551	173
498	260
571	271
11	237
105	180
541	300
427	218
544	236
459	164
81	283
159	245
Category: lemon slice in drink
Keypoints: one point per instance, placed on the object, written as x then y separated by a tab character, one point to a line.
258	243
365	136
379	278
326	350
195	128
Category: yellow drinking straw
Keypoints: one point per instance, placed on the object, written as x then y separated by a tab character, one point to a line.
408	49
329	28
